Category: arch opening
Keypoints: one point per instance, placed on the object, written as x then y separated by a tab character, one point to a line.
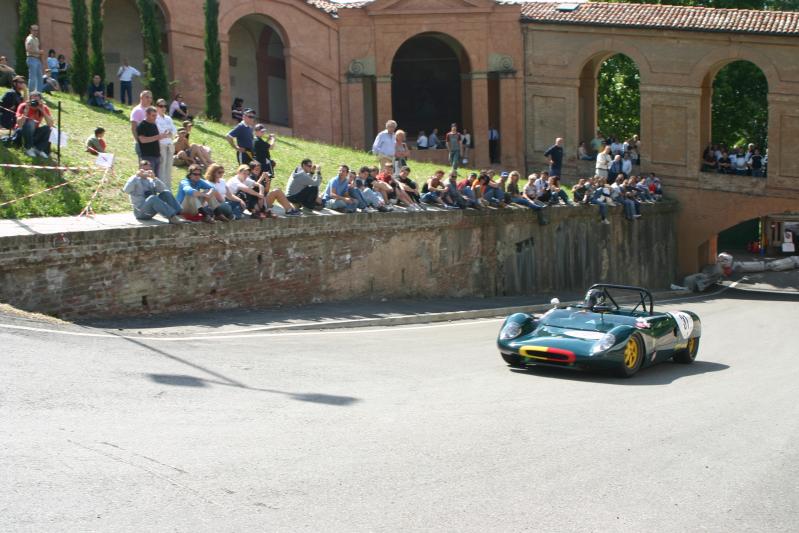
258	68
123	39
610	102
8	29
734	120
429	84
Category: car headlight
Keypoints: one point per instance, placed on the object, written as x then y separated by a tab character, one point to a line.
510	331
605	343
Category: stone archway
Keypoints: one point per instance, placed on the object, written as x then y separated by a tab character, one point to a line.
258	75
430	87
122	39
8	29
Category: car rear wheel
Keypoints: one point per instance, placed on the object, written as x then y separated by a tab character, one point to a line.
632	357
513	360
688	355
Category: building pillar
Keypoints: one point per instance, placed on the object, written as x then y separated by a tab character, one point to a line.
353	125
384	106
224	78
511	121
480	119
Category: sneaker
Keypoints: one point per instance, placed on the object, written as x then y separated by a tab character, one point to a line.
208	220
30	152
175	220
222	218
636	216
383	209
294	213
43	155
605	221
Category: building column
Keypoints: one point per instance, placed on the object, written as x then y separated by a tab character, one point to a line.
511	120
353	125
480	118
384	106
224	78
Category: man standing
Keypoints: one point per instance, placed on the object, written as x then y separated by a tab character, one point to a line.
137	115
493	144
148	137
555	155
125	75
7	73
453	142
241	137
384	144
10	103
35	121
34	59
149	196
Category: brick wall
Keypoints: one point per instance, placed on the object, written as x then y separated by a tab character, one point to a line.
157	269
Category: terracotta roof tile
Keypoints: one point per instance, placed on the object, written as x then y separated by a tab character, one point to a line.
665	17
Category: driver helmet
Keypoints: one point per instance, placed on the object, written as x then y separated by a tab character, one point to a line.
593	298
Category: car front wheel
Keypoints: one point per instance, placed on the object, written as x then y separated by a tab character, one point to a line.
632	357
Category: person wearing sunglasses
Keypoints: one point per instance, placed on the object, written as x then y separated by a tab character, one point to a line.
197	197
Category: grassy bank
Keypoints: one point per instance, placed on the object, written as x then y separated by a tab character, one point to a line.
80	120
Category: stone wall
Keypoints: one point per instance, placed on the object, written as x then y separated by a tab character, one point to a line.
157	269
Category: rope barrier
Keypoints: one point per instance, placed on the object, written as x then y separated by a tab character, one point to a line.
45	167
28	196
88	211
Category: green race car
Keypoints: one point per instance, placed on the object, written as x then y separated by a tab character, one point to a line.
599	334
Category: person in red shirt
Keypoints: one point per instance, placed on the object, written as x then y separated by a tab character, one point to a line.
388	185
34	121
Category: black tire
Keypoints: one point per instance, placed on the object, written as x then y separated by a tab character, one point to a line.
688	355
513	360
633	357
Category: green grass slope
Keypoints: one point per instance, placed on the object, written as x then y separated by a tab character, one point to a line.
79	122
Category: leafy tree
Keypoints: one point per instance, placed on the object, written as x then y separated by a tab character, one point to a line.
619	97
96	38
28	15
79	77
740	105
155	76
213	58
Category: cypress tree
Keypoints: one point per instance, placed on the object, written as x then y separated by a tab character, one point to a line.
213	57
80	75
96	37
155	76
28	15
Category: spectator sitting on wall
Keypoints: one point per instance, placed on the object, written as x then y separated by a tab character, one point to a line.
367	197
493	192
384	188
582	153
263	148
336	195
149	196
396	191
408	185
756	164
630	201
453	196
234	206
303	185
178	109
197	197
725	163
601	198
7	73
35	121
466	188
421	141
10	102
516	194
96	95
540	183
434	189
264	179
249	191
433	140
96	144
642	190
530	191
709	162
237	109
580	192
553	194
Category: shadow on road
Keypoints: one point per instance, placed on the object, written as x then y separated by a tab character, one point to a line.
183	380
662	374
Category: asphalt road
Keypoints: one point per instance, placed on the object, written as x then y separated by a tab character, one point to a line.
417	428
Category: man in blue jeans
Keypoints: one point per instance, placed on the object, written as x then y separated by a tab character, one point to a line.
148	196
34	59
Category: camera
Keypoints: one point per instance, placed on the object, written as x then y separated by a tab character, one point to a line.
34	103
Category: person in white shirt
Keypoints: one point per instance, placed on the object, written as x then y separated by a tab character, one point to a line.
125	75
166	145
384	144
421	141
603	160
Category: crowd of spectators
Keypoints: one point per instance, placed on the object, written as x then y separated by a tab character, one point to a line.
742	161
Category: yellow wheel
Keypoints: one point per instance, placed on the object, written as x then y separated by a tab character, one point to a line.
633	356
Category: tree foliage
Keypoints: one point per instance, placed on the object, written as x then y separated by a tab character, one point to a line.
740	105
213	58
96	37
619	97
79	77
155	77
28	15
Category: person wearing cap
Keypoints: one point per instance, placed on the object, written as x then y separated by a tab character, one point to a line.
262	148
10	102
385	143
453	142
35	121
7	73
241	137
